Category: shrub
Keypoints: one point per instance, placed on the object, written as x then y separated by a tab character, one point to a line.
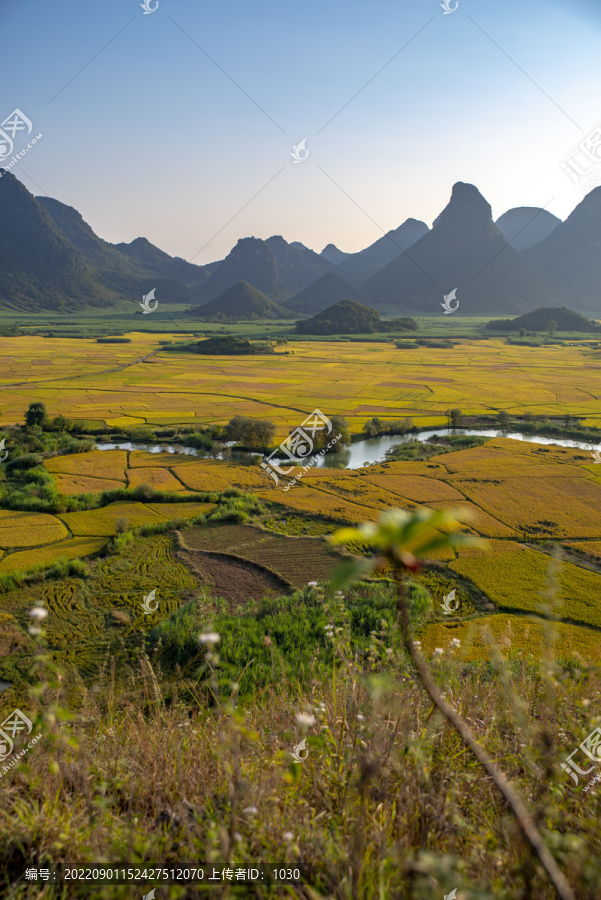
27	461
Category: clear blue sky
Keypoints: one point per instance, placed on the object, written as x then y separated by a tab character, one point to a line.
154	138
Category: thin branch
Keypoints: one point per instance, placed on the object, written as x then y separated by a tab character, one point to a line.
526	822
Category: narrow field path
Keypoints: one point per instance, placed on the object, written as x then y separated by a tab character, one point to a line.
133	362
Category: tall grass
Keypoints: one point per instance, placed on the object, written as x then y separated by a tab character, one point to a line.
387	804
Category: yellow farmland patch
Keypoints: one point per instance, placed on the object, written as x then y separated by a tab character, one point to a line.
522	636
160	479
139	458
416	487
102	522
337	378
516	577
215	475
84	484
480	522
76	548
181	510
24	529
591	548
109	464
319	503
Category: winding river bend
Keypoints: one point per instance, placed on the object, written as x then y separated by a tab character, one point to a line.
367	452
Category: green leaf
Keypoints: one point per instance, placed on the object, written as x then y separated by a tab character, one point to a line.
350	571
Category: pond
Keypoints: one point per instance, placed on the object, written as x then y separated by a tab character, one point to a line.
367	452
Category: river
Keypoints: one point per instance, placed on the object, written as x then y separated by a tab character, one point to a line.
367	452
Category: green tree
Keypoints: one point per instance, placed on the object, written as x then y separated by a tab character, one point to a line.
339	427
456	417
36	414
551	326
503	419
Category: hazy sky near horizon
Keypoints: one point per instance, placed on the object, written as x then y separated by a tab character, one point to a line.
178	125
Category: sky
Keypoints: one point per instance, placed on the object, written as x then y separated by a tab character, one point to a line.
179	124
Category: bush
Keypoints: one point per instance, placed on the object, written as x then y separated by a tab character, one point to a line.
26	461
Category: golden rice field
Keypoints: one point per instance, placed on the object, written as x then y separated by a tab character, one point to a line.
137	383
507	636
75	548
518	493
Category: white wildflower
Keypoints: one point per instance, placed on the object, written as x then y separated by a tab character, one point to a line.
438	651
38	612
251	811
305	719
288	836
210	638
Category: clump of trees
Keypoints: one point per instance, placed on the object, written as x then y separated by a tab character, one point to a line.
375	427
339	427
257	434
454	418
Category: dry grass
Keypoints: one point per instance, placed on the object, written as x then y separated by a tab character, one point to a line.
387	804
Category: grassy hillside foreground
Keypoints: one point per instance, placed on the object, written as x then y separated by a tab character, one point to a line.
387	803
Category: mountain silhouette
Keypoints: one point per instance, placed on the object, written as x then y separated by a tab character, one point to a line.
297	265
525	226
241	301
324	292
464	251
362	265
130	275
333	255
571	255
157	262
40	268
251	260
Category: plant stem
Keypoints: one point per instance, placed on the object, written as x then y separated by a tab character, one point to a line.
525	820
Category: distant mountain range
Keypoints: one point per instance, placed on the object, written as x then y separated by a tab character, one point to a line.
50	258
360	266
525	226
328	289
240	301
466	252
571	255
